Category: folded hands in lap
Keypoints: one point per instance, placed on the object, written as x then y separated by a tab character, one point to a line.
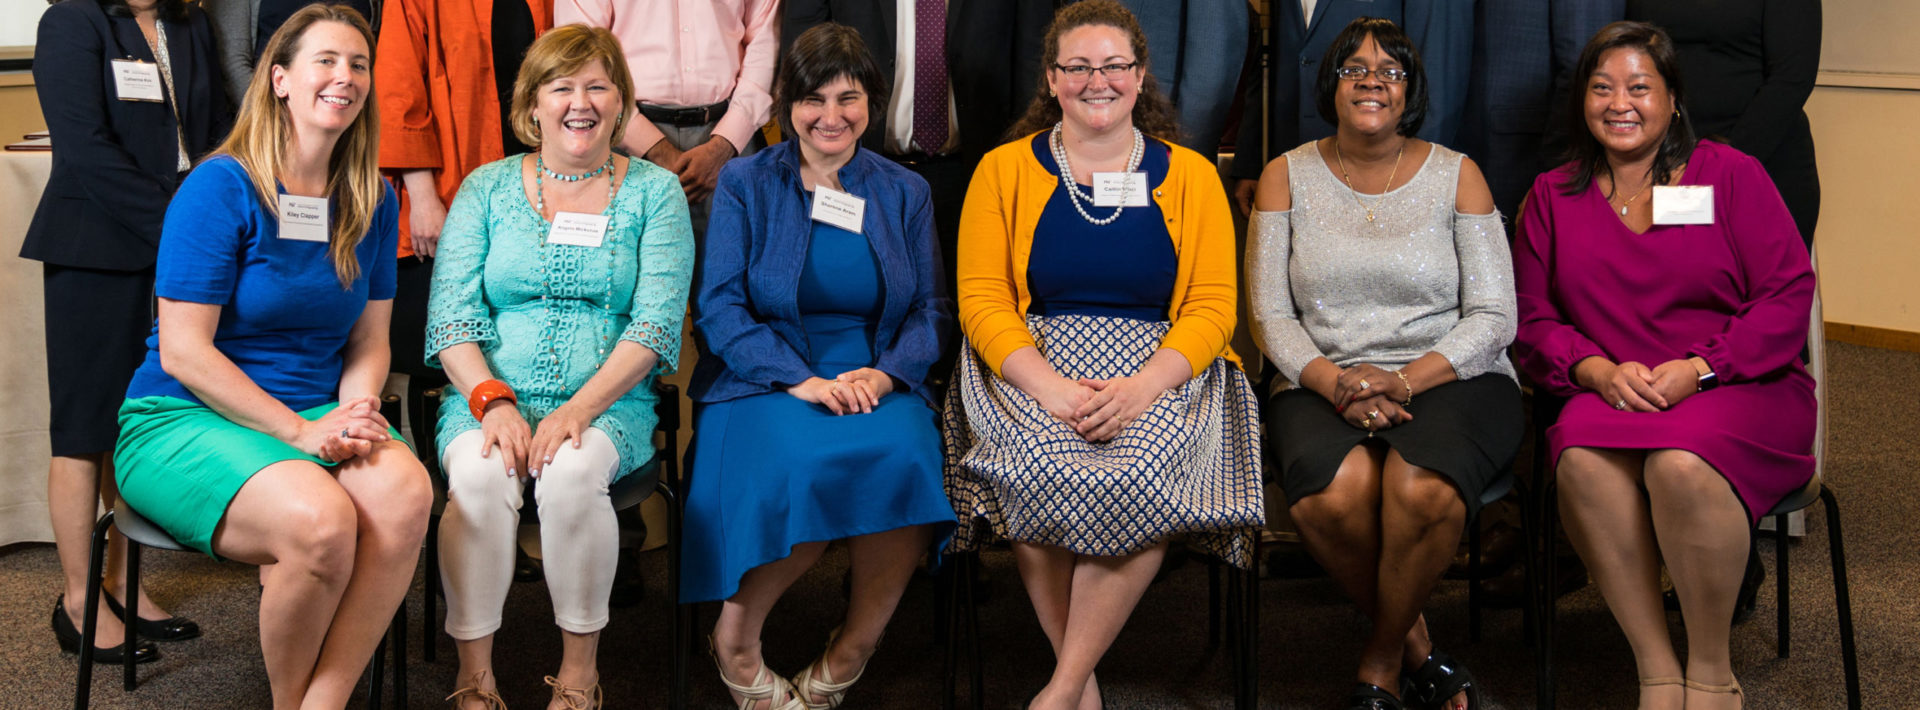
851	392
1632	386
350	430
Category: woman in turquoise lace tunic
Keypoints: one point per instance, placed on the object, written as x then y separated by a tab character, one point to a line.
562	278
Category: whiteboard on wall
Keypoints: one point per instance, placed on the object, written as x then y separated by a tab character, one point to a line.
1870	36
19	20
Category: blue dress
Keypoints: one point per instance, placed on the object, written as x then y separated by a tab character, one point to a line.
770	471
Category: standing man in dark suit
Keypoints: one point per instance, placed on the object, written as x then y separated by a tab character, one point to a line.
1301	31
132	96
1199	50
946	59
1523	51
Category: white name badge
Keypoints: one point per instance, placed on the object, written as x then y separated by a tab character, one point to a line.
578	229
303	219
1688	204
838	208
134	80
1120	189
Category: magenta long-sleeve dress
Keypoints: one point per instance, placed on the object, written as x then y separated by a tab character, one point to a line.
1736	293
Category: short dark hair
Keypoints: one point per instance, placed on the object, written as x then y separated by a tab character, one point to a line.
172	10
1396	44
825	52
1584	151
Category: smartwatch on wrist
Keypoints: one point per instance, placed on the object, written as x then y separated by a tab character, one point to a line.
1708	381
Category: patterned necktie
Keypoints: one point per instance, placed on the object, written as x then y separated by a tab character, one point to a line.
930	75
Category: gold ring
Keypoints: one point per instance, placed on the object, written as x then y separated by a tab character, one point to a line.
1372	414
1364	385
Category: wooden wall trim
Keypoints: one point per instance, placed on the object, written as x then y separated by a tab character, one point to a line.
1884	338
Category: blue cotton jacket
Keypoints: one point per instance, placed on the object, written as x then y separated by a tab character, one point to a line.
747	318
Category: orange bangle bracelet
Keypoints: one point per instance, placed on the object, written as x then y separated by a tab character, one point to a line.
486	393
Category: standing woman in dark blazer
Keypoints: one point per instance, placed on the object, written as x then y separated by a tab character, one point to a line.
131	93
1751	65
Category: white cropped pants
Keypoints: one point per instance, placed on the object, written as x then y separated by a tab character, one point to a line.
579	537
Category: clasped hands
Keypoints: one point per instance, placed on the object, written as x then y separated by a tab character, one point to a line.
1631	386
1370	397
527	450
350	430
851	392
1097	409
698	167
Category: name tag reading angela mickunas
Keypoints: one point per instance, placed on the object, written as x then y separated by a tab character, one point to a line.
135	80
1688	204
303	219
1120	189
838	208
578	229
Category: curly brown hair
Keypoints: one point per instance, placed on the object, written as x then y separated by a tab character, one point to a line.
1152	112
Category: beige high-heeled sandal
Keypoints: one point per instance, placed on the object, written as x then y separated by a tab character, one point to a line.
575	698
766	685
816	680
1731	688
489	698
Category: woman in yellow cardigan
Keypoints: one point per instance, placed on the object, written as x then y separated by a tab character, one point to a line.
1103	412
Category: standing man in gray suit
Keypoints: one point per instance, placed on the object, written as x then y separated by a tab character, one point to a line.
1199	48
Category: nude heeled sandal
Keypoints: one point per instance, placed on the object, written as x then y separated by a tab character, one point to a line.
816	680
575	698
488	698
1731	688
766	685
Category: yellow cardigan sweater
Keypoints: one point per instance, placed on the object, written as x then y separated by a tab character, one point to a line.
1009	190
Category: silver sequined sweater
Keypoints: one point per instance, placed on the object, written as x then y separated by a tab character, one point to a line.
1325	282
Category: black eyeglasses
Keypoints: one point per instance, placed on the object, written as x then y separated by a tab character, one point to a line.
1082	71
1391	75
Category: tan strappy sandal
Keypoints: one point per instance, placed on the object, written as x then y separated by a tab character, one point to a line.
816	680
1731	688
488	698
575	698
766	685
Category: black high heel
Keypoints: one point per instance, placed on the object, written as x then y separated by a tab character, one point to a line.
69	637
177	628
1438	680
1367	696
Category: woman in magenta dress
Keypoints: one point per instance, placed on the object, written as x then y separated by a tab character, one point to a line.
1677	346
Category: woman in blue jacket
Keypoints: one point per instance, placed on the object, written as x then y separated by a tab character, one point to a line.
131	93
819	312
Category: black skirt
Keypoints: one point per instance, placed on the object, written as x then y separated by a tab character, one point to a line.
1466	431
97	327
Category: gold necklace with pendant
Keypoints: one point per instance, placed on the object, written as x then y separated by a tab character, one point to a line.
1349	178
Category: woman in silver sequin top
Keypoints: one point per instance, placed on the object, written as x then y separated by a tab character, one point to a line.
1379	277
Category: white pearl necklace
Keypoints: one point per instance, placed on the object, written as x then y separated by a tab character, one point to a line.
1059	146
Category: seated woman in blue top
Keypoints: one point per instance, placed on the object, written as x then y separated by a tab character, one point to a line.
251	431
560	282
820	311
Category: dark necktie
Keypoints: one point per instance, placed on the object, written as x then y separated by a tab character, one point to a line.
930	74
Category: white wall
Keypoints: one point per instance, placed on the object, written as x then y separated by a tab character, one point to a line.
18	21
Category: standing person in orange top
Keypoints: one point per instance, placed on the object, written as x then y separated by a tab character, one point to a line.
445	76
702	81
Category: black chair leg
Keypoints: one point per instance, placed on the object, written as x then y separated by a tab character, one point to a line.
1213	602
89	621
1473	580
1836	546
131	607
399	633
972	611
430	617
950	619
682	623
1236	634
1544	595
1784	611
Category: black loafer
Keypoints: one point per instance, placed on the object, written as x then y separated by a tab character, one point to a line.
143	651
178	628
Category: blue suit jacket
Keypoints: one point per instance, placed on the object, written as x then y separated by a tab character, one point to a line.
1441	29
1523	51
115	163
747	317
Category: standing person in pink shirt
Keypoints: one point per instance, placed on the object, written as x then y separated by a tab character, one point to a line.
702	70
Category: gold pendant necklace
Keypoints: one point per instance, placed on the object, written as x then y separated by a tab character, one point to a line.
1349	178
1636	195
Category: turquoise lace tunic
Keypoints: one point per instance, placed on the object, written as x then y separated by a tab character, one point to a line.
548	315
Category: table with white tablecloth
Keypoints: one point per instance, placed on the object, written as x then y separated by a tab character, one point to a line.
24	447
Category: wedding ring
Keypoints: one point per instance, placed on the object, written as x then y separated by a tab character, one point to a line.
343	433
1371	415
1620	405
1364	385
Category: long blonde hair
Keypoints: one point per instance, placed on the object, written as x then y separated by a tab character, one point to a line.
264	129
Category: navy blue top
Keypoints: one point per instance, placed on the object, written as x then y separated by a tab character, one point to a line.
1125	269
747	311
284	318
840	300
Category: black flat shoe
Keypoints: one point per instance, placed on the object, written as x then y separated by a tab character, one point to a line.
143	651
1367	696
1438	680
178	628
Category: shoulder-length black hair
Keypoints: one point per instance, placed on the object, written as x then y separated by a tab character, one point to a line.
825	52
169	10
1584	151
1396	44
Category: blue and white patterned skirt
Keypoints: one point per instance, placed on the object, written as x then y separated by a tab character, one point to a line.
1189	464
